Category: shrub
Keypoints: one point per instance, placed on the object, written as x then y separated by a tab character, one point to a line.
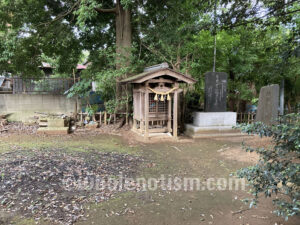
277	171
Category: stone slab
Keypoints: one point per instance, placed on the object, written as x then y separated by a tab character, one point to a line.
154	136
91	126
268	104
207	132
56	122
215	92
206	129
214	119
53	130
217	135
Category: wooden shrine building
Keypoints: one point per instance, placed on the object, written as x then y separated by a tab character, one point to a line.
155	99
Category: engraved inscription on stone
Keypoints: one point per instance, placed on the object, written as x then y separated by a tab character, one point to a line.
215	92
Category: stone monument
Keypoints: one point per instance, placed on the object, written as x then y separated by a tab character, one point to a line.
215	92
268	104
215	121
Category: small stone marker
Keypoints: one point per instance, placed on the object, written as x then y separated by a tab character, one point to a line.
52	126
56	122
268	103
215	92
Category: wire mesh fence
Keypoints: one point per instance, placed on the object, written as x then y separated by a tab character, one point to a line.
41	86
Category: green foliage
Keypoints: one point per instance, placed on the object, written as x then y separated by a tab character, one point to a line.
86	12
91	109
38	29
253	48
278	169
81	89
111	106
240	91
106	77
254	101
127	3
252	56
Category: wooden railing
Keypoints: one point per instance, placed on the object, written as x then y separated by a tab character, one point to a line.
250	118
102	118
288	120
245	117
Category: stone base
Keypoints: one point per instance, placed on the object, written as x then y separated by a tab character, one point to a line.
154	136
207	119
212	124
206	132
56	122
53	130
91	126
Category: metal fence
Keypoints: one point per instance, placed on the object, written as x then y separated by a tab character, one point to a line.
39	86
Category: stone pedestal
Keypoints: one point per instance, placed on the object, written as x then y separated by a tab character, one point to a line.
210	124
53	130
213	119
52	126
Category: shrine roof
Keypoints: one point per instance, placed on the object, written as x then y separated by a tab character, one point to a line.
143	77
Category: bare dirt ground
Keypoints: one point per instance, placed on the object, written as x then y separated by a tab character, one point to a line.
202	158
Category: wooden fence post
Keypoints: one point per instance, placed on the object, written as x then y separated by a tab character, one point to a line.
100	118
175	114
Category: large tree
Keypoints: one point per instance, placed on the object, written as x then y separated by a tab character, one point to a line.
122	18
61	28
145	32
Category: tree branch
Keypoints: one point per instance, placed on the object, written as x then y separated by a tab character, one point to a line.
259	18
157	53
113	10
61	16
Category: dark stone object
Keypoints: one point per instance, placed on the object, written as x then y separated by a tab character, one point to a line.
215	91
268	104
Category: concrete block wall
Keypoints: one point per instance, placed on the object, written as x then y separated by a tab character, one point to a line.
22	107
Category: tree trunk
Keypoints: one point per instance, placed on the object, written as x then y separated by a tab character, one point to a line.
289	106
253	89
123	41
178	58
123	36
